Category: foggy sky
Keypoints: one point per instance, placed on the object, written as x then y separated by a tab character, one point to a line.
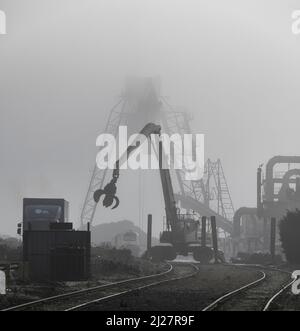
234	65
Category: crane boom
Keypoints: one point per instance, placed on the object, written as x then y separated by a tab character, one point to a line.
110	189
166	181
144	134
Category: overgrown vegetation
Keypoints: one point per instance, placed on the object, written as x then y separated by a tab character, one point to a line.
256	258
112	262
10	250
290	236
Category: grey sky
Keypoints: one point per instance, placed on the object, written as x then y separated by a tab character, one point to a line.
233	64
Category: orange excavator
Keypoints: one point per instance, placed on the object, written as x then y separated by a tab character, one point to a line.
181	234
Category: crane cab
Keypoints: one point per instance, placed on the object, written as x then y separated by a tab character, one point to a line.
182	239
184	234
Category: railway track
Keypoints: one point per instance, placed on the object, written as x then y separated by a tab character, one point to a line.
261	294
80	300
255	296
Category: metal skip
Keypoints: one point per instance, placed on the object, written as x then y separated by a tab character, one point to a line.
2	283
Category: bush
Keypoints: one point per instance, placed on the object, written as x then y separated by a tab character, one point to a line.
112	254
290	236
256	258
109	261
10	250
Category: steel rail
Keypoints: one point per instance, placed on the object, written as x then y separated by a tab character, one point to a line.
235	292
84	291
275	296
281	291
96	301
250	285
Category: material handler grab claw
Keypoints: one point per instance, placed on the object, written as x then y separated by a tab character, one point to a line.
109	192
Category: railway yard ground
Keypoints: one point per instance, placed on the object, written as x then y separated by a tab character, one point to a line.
187	287
209	283
20	292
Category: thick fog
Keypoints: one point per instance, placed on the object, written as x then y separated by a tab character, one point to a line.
234	65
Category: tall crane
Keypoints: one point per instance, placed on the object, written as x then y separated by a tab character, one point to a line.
181	234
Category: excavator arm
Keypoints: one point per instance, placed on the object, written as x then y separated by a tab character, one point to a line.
110	190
